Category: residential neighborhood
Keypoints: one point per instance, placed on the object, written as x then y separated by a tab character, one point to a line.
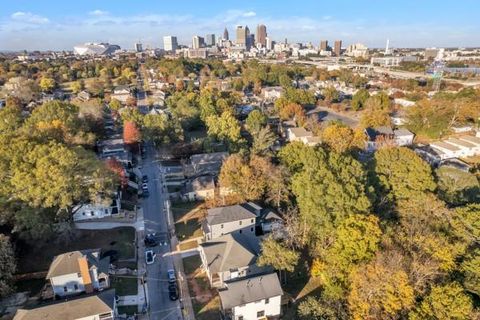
264	172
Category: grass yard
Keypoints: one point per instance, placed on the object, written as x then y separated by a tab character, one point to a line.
124	286
188	230
37	257
183	210
207	311
188	245
128	310
190	264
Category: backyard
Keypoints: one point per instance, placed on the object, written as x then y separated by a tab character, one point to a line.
124	285
187	217
37	257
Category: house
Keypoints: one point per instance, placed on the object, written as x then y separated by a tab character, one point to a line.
83	95
458	147
97	211
271	222
112	146
200	188
207	163
252	298
229	257
79	271
100	306
403	137
377	137
121	93
302	135
239	218
272	93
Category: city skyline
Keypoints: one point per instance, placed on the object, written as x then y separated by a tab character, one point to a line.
54	25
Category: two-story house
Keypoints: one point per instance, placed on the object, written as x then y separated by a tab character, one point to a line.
238	218
78	271
100	306
121	93
252	298
229	257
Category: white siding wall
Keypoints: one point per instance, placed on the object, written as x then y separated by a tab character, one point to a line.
249	311
69	281
245	226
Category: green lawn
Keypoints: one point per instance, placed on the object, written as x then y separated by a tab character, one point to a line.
129	310
190	264
188	230
180	209
124	286
37	257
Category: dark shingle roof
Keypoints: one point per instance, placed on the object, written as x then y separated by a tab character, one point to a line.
228	214
250	290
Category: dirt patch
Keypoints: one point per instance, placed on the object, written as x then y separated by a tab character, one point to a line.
199	287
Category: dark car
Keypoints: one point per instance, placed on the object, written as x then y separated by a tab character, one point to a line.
145	179
173	292
151	240
145	193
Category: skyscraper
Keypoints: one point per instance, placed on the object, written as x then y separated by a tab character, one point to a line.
323	45
210	40
138	47
198	42
170	43
241	36
338	48
225	34
261	34
268	43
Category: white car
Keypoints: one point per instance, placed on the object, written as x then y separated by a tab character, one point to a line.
150	256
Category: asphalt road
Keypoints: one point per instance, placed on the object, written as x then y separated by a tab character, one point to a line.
160	305
325	114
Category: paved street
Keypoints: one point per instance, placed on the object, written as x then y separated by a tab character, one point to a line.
154	212
326	114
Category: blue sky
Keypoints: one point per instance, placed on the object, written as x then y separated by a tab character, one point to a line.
60	24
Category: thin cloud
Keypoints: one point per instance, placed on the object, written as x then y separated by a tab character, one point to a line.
28	17
98	13
249	14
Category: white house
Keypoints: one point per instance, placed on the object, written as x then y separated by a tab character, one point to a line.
239	218
385	136
302	135
101	306
79	271
230	257
121	93
97	211
252	298
459	147
272	93
200	188
403	137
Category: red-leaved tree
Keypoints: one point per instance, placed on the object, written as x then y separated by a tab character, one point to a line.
116	167
131	135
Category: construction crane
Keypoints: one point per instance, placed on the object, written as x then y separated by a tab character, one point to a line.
436	70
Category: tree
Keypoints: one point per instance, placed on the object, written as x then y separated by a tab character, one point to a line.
359	99
278	186
380	101
255	121
320	308
47	84
447	302
379	290
116	167
131	102
375	118
278	256
131	134
341	138
225	128
330	94
402	172
115	105
11	116
7	266
471	271
263	140
76	86
456	186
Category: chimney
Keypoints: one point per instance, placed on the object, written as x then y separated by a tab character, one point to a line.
85	273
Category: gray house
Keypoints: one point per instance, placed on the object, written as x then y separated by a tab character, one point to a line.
238	218
207	163
231	256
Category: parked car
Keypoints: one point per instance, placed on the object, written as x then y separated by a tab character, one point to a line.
145	193
171	276
145	186
172	291
151	240
145	179
150	256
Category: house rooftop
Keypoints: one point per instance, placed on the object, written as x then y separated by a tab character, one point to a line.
372	133
231	251
402	132
72	309
205	158
249	290
459	142
300	132
201	183
67	263
444	145
231	213
472	139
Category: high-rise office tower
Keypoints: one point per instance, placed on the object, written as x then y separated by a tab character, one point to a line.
170	43
225	34
210	40
241	36
198	42
323	45
138	47
268	43
261	34
338	48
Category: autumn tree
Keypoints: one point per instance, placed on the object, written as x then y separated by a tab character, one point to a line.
7	266
225	128
116	167
115	105
47	84
330	94
255	121
263	140
341	138
131	134
359	99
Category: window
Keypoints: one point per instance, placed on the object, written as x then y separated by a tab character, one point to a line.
65	289
221	226
240	318
251	229
240	231
75	286
251	221
260	314
267	301
240	223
